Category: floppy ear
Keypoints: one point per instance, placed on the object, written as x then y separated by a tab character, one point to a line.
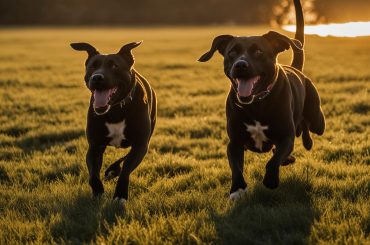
280	42
125	52
91	51
219	43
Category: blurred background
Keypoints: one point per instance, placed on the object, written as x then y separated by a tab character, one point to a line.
176	12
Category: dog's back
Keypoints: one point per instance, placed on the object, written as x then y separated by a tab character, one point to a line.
150	96
305	93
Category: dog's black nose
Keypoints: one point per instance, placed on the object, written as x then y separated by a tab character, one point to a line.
97	77
96	81
241	65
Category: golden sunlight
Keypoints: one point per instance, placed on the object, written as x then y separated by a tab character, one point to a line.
350	29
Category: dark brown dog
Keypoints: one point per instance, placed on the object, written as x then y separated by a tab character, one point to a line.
122	113
268	103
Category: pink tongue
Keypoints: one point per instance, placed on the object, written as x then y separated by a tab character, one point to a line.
245	86
101	98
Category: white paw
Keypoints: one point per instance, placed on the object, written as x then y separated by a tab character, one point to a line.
120	200
235	196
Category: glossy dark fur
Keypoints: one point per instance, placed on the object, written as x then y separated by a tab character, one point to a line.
137	117
291	108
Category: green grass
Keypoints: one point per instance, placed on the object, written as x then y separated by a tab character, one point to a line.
179	193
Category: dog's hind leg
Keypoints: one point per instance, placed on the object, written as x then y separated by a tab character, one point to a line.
289	160
114	169
313	115
306	137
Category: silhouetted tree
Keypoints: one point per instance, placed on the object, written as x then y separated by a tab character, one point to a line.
284	12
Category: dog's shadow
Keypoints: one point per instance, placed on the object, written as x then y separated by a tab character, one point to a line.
281	216
83	218
45	141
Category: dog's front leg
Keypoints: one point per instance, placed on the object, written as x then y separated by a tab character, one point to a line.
132	160
235	154
283	149
94	160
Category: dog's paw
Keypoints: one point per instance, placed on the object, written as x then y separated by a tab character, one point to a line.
120	200
289	160
109	175
112	172
271	179
237	195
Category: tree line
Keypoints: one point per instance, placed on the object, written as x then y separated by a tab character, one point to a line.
166	12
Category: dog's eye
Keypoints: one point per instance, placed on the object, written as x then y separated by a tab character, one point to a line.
114	66
258	52
232	53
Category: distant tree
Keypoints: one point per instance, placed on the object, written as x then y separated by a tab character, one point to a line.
174	12
284	12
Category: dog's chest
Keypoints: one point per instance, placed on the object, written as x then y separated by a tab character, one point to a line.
257	133
116	133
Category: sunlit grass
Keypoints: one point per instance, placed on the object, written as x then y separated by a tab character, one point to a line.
179	192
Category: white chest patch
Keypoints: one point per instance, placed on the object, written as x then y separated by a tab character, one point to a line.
257	134
116	133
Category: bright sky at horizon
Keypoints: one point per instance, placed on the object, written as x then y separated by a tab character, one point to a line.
350	29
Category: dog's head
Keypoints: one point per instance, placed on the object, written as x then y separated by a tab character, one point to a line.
250	62
108	76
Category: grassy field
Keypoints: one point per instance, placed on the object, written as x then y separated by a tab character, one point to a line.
179	193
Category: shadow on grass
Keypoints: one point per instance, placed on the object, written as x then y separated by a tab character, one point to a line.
45	141
59	172
83	218
15	131
282	216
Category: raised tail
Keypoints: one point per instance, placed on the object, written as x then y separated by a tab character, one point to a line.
298	57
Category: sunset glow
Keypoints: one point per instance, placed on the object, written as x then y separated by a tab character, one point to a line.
350	29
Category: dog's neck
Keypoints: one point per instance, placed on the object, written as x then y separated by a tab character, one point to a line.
128	97
274	79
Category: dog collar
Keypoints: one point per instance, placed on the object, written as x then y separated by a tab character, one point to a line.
129	96
263	94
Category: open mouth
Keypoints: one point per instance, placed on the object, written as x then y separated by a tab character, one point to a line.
101	100
246	86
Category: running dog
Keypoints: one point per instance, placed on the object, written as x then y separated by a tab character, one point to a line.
268	104
122	113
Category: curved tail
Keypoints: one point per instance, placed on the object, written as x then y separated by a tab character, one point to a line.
298	57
